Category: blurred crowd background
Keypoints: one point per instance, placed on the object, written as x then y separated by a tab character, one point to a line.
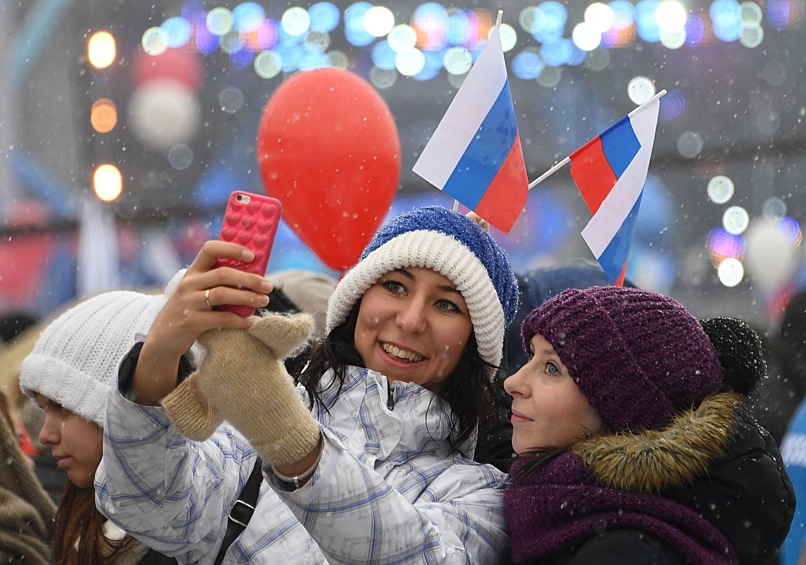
125	125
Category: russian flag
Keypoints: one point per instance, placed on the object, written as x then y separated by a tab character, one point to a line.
610	172
475	153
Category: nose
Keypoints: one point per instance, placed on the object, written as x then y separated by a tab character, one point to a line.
514	385
50	434
411	318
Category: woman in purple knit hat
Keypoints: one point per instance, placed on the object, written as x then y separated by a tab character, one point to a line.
635	445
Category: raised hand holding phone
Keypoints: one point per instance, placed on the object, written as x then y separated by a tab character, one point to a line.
250	220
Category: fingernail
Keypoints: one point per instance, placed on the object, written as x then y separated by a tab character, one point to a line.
263	300
248	255
266	286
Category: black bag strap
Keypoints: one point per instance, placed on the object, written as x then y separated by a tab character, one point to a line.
242	510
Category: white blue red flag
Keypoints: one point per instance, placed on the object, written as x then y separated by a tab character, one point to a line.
475	153
610	172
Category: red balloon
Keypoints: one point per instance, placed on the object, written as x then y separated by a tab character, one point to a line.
328	149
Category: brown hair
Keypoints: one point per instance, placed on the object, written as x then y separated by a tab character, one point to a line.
78	538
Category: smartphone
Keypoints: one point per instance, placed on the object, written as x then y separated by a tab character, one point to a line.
250	220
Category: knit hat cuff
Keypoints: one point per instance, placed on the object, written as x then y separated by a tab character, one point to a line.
596	355
65	385
445	255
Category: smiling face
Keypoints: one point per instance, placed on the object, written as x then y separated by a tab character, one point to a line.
548	409
412	326
76	443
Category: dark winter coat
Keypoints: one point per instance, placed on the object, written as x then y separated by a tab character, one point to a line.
709	488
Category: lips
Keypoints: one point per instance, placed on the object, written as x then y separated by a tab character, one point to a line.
399	353
518	418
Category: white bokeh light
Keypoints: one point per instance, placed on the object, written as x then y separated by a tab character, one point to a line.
671	16
640	89
599	17
457	60
379	21
735	220
673	39
509	37
730	272
219	21
410	62
296	21
402	38
585	37
155	41
720	189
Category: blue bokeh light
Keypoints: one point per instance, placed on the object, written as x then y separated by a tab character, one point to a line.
206	42
177	31
324	17
549	22
246	17
383	56
672	105
242	58
557	53
624	14
646	22
527	65
695	30
726	16
314	60
463	28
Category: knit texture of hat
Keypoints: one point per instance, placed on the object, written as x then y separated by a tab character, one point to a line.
75	359
452	245
638	357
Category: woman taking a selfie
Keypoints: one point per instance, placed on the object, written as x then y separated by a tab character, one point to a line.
369	459
635	445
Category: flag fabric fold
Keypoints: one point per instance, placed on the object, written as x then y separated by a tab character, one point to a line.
610	172
475	153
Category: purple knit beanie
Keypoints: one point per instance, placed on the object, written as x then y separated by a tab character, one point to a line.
638	357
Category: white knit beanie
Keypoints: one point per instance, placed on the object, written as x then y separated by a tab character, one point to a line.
75	360
452	245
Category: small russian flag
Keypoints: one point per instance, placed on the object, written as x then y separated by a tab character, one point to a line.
610	172
475	153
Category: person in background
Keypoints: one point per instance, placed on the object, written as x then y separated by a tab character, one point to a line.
631	449
69	374
369	459
778	397
26	511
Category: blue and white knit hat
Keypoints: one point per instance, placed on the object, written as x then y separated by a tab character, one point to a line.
452	245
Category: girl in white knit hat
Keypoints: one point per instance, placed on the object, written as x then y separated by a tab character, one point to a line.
369	459
69	373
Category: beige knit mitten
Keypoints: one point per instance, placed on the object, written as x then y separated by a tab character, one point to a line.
244	379
190	412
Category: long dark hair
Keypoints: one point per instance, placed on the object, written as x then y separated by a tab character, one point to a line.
467	390
78	536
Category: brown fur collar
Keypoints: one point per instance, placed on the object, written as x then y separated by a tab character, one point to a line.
651	460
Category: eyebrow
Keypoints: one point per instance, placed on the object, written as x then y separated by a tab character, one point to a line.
445	288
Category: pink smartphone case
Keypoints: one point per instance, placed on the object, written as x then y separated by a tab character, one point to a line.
254	226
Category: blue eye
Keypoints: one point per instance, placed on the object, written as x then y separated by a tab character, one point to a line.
552	369
447	305
395	287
